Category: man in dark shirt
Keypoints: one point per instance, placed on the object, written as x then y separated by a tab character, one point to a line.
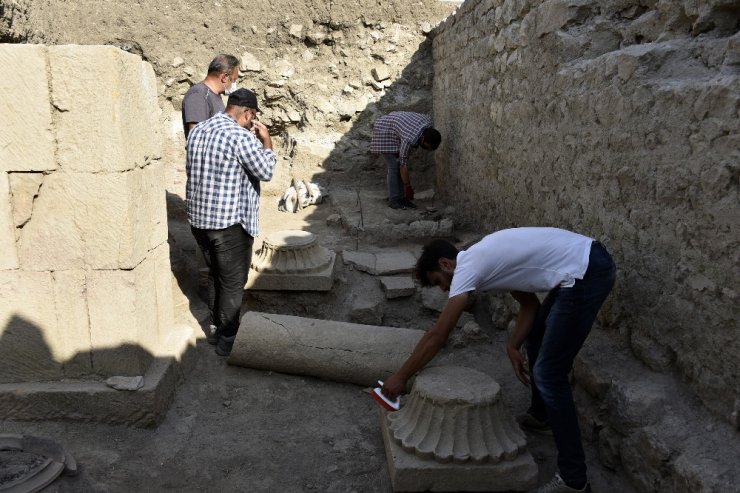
203	100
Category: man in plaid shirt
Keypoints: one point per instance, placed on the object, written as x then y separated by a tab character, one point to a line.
227	156
394	136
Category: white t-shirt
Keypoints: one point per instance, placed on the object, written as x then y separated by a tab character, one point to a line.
522	259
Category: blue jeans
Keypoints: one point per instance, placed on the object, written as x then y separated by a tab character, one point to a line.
562	324
228	255
396	192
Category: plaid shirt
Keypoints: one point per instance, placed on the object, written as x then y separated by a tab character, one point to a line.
398	133
221	157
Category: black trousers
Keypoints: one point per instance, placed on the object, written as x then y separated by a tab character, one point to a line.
228	255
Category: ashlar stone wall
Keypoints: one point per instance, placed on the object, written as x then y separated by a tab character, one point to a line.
617	119
85	281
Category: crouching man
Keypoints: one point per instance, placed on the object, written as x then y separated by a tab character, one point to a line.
578	274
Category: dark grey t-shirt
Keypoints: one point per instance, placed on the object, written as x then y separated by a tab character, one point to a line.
199	104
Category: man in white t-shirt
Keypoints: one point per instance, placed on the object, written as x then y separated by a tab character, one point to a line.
578	274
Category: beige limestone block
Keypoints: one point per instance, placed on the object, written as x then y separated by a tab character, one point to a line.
108	112
70	338
9	255
165	304
24	187
26	140
123	319
99	221
26	317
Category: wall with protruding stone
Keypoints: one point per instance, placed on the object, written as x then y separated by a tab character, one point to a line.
619	120
85	279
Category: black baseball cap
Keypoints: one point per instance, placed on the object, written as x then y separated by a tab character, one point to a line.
243	97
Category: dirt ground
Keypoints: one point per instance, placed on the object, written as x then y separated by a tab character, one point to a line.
237	429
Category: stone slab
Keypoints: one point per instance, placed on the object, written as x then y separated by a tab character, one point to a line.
383	263
397	286
338	351
410	473
363	261
399	262
94	401
322	280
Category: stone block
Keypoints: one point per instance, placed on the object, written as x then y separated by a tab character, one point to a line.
24	187
70	338
108	116
26	315
411	473
365	311
433	298
384	263
9	255
338	351
381	73
75	224
397	286
387	263
43	316
123	335
362	261
27	140
638	404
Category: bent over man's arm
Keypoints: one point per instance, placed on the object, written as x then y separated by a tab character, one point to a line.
429	345
528	306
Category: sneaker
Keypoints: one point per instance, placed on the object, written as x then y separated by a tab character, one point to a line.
527	422
397	205
224	345
408	204
214	334
557	485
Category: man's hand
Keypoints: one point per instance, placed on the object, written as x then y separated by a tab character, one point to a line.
409	192
519	363
260	131
393	386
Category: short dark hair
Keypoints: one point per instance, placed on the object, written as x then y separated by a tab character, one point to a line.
432	137
222	64
429	259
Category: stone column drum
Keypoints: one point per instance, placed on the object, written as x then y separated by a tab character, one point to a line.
339	351
453	434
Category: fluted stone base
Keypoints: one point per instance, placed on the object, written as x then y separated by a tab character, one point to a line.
292	260
453	434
